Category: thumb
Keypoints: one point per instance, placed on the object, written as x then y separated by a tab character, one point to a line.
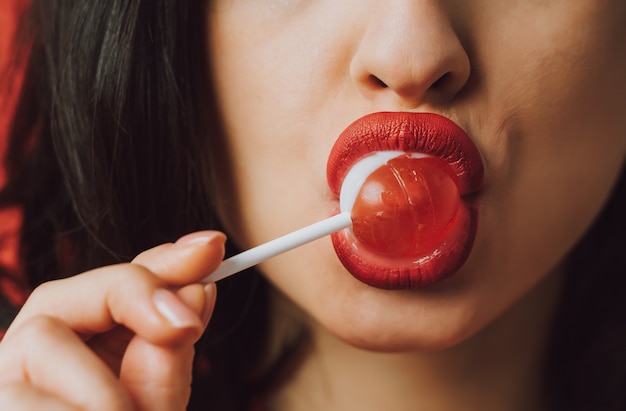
159	377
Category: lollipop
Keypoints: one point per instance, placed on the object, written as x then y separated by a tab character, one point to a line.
400	204
395	203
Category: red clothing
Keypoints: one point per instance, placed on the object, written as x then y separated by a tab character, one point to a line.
10	11
11	295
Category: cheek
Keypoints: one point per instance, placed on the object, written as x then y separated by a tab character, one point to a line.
557	95
270	97
567	135
553	137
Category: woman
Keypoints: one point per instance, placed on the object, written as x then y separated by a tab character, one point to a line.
174	117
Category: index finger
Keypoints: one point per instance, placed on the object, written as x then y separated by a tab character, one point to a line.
196	256
131	294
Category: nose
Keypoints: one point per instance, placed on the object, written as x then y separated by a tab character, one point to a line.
410	53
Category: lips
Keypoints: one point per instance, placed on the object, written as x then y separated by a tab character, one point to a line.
425	133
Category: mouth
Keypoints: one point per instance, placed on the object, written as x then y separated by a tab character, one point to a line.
412	133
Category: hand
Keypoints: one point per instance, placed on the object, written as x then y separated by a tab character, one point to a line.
115	338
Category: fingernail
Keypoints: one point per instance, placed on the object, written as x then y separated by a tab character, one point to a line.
174	310
201	238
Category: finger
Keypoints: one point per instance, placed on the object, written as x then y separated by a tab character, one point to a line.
21	396
159	378
110	347
131	294
127	294
47	354
189	260
200	298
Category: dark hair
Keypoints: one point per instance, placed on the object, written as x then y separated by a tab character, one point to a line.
109	154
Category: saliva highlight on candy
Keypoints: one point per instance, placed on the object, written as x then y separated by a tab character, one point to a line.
400	203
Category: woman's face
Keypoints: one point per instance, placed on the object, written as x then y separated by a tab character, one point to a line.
538	86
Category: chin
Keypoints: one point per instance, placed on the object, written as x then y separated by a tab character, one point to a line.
403	340
383	329
340	307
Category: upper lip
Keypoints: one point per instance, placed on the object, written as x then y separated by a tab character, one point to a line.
426	133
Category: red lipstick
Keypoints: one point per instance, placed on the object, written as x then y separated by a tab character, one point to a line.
423	133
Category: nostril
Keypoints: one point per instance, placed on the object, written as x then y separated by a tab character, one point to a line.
439	85
377	82
441	82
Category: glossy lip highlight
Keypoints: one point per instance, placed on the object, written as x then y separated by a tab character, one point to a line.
425	133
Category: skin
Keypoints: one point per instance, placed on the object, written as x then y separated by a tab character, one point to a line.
540	89
122	339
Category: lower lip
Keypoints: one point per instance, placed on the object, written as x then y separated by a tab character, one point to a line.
429	267
442	259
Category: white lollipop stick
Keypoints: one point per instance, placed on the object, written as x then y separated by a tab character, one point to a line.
279	245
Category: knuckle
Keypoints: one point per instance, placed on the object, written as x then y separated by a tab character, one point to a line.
38	328
130	275
134	280
41	291
140	272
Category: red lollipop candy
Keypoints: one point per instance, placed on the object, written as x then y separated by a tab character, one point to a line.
405	205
